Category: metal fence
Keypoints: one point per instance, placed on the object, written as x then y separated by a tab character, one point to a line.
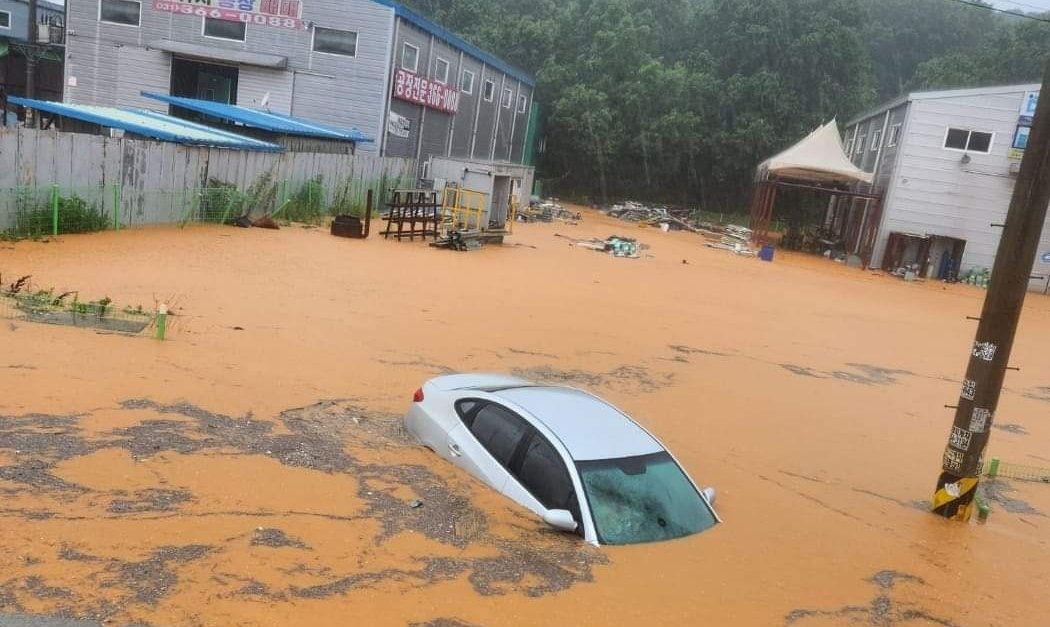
36	212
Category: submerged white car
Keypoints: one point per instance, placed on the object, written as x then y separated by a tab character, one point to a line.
578	462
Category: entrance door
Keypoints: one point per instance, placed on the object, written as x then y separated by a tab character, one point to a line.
203	81
500	201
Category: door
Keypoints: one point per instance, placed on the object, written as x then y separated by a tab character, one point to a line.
203	81
541	480
486	440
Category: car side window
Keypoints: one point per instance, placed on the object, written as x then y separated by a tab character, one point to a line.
499	430
543	473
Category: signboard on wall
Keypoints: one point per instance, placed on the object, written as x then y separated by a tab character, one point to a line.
399	126
1046	258
1024	125
420	90
276	13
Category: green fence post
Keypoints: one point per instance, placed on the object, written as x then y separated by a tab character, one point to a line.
993	468
116	207
54	210
162	321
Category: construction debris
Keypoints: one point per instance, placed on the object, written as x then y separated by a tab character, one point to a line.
548	211
467	240
661	216
615	245
736	239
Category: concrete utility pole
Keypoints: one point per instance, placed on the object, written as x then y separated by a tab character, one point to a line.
989	358
31	59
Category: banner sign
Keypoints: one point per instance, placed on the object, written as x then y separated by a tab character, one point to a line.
1024	125
412	87
399	126
278	13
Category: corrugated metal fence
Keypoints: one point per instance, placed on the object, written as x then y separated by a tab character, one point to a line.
134	182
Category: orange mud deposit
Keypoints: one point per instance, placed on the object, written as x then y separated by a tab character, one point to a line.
251	470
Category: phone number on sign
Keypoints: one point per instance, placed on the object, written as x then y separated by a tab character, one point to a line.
232	15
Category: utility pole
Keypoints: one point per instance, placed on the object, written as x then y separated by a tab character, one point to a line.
31	58
990	356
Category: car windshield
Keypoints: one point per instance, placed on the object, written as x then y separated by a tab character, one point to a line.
642	499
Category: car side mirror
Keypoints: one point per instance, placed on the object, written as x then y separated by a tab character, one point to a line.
709	494
560	519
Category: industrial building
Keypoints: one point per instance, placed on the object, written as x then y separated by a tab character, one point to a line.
944	165
370	65
41	46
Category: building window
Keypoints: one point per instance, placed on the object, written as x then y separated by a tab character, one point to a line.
969	141
224	29
860	143
508	98
334	41
441	71
849	146
523	104
5	20
125	12
876	140
490	91
410	58
895	135
466	82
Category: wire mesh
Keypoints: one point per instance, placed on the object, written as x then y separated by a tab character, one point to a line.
1017	471
49	307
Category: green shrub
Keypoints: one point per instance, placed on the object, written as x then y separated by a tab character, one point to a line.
35	216
307	205
221	202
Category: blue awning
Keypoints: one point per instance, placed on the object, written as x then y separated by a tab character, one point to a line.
150	124
265	120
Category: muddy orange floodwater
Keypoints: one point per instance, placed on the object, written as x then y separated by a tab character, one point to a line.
251	469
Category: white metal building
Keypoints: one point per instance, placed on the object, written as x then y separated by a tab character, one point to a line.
946	163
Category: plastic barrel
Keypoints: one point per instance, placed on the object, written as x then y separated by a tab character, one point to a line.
766	253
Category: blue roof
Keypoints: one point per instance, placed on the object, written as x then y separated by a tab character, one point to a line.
150	124
265	120
456	41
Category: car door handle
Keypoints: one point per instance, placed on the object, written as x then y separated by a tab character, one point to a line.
454	449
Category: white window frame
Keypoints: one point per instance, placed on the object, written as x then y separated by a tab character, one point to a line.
415	65
523	103
8	14
849	145
313	42
876	140
473	77
448	66
895	135
861	139
969	134
508	98
137	25
485	88
204	21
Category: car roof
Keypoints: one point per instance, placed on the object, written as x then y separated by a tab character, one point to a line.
587	426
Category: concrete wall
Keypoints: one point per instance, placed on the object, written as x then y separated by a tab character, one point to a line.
158	179
932	191
111	63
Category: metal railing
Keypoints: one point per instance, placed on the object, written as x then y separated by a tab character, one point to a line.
464	208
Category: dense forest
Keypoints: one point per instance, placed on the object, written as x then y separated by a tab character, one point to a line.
678	100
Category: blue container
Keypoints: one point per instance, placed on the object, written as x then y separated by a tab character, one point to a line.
766	254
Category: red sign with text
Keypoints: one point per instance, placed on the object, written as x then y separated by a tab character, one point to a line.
278	13
421	90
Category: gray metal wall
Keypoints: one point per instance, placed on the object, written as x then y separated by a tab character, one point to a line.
482	131
156	176
112	63
931	190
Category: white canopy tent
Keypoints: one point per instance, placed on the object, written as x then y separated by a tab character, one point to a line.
818	159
